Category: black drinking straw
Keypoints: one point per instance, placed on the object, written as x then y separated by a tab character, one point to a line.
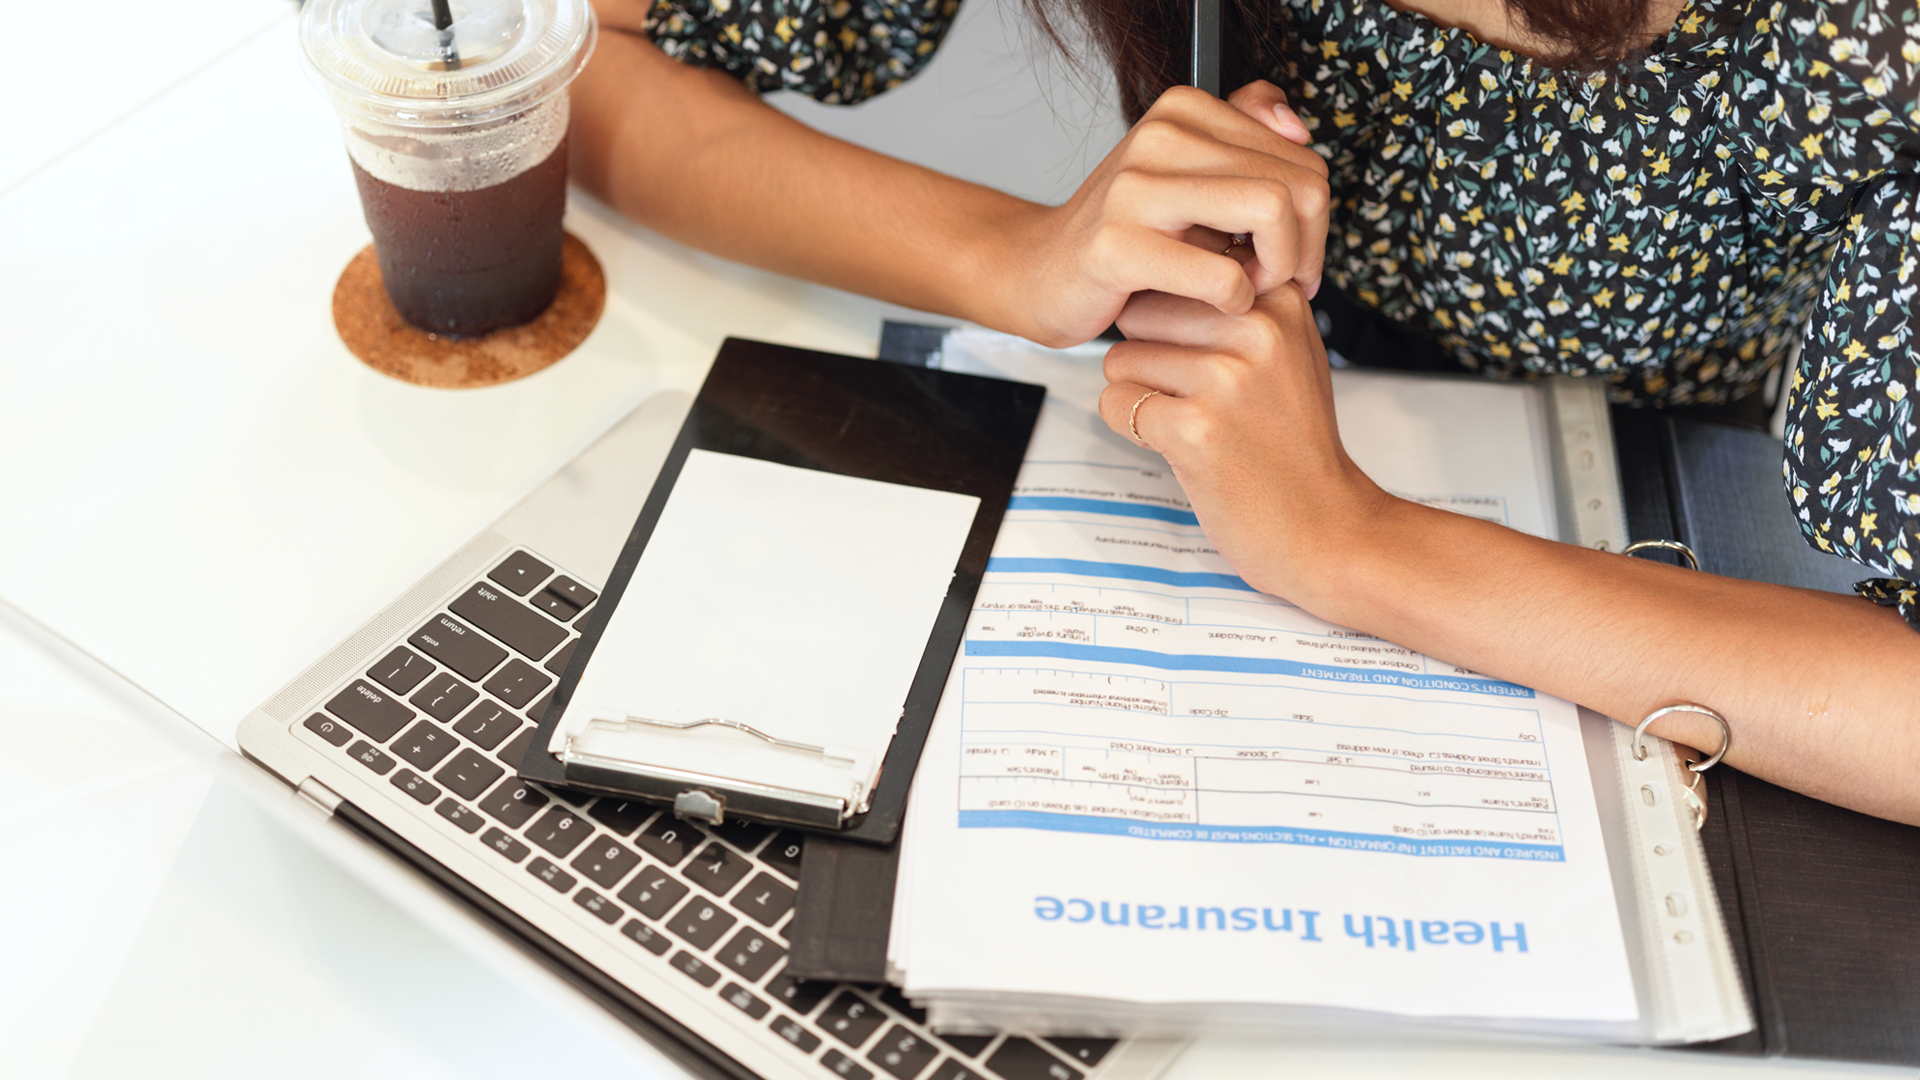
443	22
1206	45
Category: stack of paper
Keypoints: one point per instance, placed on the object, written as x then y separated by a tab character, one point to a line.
1157	802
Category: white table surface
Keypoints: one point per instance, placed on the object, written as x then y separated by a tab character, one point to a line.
201	491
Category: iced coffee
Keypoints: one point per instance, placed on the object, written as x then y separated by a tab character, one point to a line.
455	117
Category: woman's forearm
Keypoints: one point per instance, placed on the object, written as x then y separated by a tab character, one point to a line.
1822	690
691	153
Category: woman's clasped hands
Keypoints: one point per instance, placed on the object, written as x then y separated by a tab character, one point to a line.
1155	215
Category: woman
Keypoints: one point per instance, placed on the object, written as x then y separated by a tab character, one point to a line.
1661	222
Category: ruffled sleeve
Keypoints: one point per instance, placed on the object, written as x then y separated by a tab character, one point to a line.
1853	455
1843	125
835	51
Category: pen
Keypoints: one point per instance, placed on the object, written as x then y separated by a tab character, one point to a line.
1206	45
1206	67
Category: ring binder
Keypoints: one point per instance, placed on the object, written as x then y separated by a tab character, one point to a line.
1696	800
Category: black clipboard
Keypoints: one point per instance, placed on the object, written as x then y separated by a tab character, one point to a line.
915	426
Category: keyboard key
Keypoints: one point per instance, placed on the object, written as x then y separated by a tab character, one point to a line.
700	923
555	606
458	646
953	1070
415	785
468	774
400	670
513	802
970	1045
621	816
603	909
487	723
784	854
606	862
799	996
840	1064
557	663
559	832
509	620
572	591
892	998
699	970
517	683
552	875
506	845
745	835
516	748
369	755
424	745
717	869
902	1054
789	1029
444	696
367	707
851	1018
741	998
751	954
328	728
1088	1052
1021	1059
520	573
653	892
668	839
650	939
460	814
765	899
538	710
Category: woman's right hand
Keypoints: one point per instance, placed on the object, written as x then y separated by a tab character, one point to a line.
1193	171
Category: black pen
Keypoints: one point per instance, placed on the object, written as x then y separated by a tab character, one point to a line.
1206	46
1206	67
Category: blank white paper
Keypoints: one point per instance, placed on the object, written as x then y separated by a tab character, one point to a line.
794	601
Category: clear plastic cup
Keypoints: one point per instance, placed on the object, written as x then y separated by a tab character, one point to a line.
458	139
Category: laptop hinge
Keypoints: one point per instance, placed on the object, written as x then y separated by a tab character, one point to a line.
319	795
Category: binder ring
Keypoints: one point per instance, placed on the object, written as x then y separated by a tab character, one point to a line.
1676	546
1726	733
1695	798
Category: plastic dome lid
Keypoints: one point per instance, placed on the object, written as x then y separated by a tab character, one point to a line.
389	60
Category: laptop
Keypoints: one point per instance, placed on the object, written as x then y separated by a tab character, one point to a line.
409	733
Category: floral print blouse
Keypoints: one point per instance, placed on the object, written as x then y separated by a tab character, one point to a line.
1674	226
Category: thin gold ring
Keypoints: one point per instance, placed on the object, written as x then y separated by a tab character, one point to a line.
1133	418
1238	239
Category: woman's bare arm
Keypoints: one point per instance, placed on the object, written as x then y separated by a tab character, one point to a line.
695	155
1822	690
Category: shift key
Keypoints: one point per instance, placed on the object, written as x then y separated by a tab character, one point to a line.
456	645
491	609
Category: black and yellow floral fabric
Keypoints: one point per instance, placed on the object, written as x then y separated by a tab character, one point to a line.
835	51
1674	226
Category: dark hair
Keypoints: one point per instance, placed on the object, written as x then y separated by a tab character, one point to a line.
1145	40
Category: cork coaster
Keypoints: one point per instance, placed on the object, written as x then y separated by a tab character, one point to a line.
375	333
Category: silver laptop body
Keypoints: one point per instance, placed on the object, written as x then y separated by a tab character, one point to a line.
407	733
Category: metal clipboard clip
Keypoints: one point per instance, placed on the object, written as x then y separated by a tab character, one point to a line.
705	773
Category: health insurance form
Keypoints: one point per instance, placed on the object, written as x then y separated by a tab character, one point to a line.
1149	783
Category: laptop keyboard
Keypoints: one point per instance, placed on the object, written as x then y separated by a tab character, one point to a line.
445	716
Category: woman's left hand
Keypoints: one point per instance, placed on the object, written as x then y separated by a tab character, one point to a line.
1244	415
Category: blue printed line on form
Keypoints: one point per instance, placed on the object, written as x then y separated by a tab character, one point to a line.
1124	571
1066	650
1261	834
1102	506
